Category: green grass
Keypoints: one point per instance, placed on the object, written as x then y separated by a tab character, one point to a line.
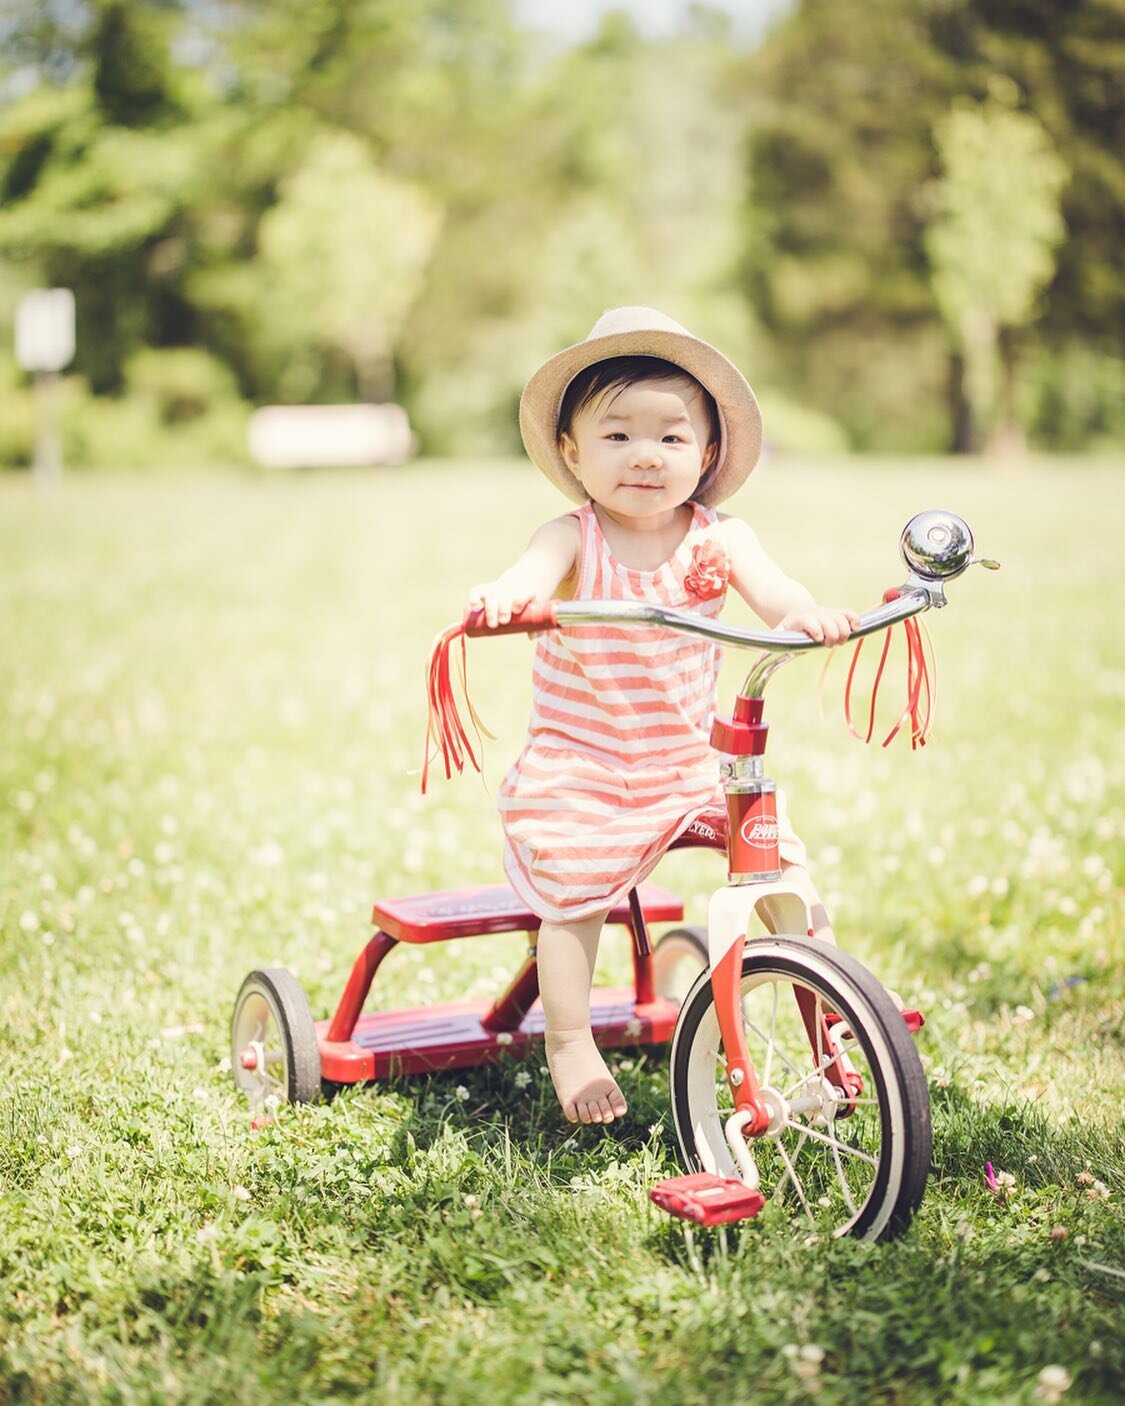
209	748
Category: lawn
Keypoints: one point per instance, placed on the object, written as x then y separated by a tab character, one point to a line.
209	752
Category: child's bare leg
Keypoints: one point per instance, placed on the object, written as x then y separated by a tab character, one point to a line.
584	1085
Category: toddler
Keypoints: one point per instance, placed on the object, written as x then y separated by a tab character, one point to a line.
646	427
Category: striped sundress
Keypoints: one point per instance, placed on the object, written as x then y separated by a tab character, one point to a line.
617	761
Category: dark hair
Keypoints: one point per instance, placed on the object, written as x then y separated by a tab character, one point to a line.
622	371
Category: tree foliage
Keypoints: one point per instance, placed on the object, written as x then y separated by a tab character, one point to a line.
994	231
332	198
334	283
843	154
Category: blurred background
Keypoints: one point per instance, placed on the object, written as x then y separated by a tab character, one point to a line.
903	218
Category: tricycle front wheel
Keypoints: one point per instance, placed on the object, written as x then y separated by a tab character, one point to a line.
274	1053
848	1148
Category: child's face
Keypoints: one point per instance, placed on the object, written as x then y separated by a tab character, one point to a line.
640	451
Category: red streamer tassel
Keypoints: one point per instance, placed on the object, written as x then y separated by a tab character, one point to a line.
445	731
921	685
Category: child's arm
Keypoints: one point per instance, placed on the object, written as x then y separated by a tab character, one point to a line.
551	556
784	604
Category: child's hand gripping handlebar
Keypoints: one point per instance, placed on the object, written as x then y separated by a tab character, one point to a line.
533	619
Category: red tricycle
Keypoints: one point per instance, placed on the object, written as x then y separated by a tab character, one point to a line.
792	1073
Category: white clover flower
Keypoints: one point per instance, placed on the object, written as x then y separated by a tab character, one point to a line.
523	1078
1052	1383
240	1193
461	1092
504	1037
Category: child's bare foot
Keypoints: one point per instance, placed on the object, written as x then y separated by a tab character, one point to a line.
584	1085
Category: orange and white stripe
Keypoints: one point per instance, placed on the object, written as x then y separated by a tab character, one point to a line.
617	761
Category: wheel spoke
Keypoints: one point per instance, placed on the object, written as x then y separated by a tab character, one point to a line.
824	1063
791	1175
832	1142
772	1035
756	1029
845	1189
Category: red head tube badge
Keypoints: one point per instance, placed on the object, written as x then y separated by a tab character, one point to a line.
752	832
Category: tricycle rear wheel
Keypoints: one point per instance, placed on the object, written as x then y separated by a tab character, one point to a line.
274	1053
677	959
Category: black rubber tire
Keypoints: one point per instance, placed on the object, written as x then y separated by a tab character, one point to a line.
272	1008
675	947
896	1111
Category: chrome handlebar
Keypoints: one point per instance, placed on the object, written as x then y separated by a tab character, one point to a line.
935	545
609	612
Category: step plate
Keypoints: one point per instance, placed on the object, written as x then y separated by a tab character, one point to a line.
449	1035
707	1199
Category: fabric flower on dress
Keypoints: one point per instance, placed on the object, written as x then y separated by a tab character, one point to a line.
709	572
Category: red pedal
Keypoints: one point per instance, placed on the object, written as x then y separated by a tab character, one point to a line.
707	1199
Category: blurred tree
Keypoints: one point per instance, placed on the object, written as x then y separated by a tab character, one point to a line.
98	175
992	242
843	97
343	254
1068	62
131	75
626	189
847	97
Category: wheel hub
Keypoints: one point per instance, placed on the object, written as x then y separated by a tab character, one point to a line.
778	1110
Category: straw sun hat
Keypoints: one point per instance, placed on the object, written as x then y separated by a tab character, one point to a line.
644	332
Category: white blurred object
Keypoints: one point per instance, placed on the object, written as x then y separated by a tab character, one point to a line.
45	343
45	329
329	436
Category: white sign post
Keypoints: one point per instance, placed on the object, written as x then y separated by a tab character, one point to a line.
44	345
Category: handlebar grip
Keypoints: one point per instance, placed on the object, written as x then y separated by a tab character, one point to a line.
532	620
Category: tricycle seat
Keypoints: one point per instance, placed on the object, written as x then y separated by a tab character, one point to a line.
472	912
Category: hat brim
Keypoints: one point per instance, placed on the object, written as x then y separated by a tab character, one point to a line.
740	417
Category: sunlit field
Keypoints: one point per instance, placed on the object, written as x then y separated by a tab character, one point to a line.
210	747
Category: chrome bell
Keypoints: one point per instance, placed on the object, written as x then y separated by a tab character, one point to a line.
938	545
